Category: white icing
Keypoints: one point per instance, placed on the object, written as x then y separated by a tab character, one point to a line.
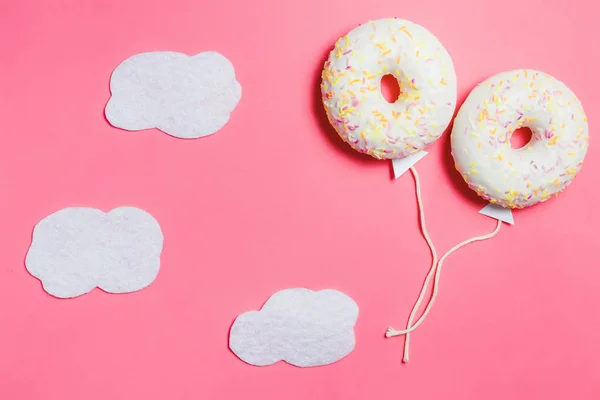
517	178
352	96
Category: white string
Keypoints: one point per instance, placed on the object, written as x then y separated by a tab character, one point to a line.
391	332
433	263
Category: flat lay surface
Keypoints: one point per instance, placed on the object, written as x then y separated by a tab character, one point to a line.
276	200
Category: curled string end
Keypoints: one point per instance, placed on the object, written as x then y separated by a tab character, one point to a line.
391	332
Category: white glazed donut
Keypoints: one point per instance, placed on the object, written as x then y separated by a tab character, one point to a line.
351	88
518	178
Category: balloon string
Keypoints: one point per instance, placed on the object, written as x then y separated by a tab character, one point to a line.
434	256
435	272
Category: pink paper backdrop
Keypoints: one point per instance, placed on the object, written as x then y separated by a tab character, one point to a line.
275	200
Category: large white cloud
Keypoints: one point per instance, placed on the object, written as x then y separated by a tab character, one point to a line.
184	96
77	249
299	326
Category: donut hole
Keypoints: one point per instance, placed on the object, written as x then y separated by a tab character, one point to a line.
520	138
390	88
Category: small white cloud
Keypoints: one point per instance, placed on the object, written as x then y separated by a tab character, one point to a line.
183	96
298	326
77	249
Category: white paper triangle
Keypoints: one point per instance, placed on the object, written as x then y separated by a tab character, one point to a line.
402	165
498	212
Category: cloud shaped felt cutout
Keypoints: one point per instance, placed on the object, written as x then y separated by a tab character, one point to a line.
183	96
77	249
299	326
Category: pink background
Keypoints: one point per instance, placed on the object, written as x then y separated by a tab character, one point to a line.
276	200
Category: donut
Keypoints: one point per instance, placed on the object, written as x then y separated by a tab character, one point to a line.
351	92
519	178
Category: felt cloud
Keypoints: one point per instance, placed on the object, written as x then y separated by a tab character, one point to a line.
77	249
299	326
183	96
